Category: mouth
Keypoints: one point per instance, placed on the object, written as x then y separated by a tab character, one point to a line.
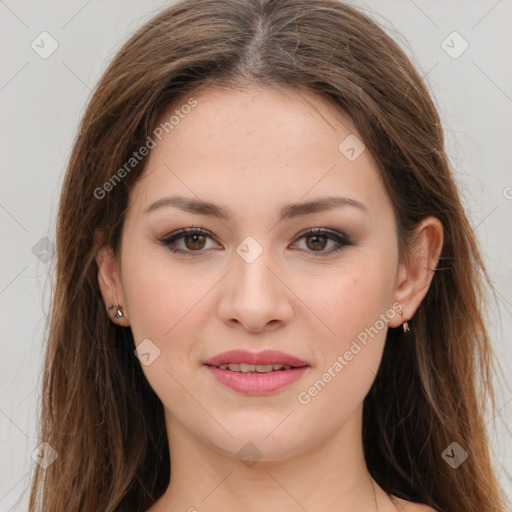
253	373
255	368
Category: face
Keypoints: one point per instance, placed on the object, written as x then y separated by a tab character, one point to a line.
253	278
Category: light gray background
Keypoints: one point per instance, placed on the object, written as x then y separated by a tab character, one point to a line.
42	101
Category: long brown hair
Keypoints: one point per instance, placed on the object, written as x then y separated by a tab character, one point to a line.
99	412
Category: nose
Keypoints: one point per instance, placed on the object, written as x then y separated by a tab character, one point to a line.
255	296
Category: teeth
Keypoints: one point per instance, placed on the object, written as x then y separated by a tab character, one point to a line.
254	368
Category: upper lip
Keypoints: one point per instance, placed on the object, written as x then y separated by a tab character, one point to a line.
263	357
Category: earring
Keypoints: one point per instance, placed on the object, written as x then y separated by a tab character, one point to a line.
119	311
405	325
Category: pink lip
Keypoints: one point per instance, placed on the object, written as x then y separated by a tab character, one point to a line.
256	383
264	357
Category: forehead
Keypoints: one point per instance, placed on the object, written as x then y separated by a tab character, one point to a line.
245	122
258	147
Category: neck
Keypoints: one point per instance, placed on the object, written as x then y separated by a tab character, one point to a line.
329	476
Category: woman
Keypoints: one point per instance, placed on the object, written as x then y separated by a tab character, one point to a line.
268	292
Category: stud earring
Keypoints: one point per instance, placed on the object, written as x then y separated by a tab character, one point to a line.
405	325
119	311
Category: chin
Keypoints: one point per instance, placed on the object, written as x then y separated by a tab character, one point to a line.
260	440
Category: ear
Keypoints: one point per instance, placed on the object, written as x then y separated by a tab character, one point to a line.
417	269
109	280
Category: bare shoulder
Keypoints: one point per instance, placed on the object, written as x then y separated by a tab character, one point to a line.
410	506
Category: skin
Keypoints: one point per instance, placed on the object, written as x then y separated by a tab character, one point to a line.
253	151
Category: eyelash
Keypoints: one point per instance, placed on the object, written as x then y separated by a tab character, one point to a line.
339	238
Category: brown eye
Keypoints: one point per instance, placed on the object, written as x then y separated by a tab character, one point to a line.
194	242
316	242
187	241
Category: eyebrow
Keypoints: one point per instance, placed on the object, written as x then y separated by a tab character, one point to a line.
291	210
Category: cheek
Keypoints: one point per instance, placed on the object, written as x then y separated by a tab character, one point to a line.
158	293
349	299
354	306
347	362
165	307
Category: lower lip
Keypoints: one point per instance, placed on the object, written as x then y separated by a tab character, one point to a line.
257	383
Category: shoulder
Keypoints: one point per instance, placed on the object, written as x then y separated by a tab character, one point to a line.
410	506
